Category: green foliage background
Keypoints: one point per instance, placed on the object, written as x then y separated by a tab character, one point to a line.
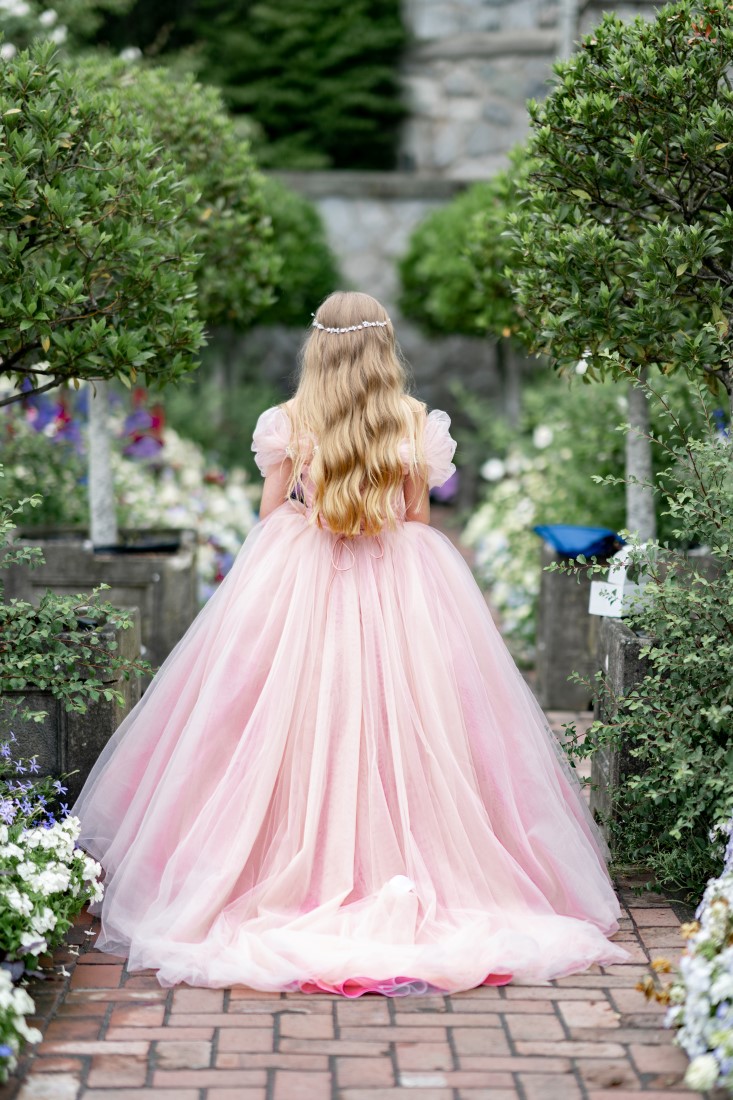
319	78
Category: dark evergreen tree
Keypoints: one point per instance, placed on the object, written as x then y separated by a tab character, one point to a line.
320	78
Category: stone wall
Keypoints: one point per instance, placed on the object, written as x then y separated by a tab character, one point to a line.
470	69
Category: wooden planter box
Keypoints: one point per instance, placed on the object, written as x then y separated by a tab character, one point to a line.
66	741
160	581
566	637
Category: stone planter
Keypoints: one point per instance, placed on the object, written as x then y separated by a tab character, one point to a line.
619	658
566	636
154	571
65	741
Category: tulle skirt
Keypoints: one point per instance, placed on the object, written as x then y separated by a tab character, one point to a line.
339	780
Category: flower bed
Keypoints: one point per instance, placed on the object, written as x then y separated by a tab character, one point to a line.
701	996
45	881
161	479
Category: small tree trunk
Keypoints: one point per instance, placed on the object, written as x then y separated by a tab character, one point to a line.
640	517
102	511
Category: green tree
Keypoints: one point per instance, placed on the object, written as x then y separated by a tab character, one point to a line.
626	237
228	217
320	78
96	258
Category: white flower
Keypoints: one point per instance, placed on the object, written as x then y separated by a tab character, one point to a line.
130	53
45	921
48	18
17	8
92	869
493	470
33	943
542	436
581	366
20	902
702	1073
7	51
59	34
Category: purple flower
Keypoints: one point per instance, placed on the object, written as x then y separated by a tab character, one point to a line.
12	736
5	750
33	765
26	806
64	809
59	787
19	769
41	800
5	1051
145	447
7	811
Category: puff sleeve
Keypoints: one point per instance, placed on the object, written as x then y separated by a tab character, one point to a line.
439	448
271	439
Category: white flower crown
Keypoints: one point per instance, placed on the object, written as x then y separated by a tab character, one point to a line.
350	328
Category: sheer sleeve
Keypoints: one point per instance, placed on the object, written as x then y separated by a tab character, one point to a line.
271	439
439	448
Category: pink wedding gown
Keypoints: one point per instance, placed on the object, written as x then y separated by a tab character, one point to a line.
339	780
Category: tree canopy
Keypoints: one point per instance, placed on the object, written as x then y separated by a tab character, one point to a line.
627	236
96	258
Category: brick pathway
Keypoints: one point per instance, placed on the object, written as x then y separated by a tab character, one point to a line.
110	1035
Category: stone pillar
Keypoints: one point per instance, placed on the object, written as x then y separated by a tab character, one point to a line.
619	657
566	637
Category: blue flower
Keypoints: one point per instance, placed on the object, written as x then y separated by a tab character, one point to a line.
64	809
5	1051
19	769
33	765
12	736
26	806
59	787
5	750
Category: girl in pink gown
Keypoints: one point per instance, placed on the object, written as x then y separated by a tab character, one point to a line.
339	780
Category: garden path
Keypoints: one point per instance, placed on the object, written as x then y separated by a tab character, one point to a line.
111	1035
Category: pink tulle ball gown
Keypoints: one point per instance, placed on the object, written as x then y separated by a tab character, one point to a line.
339	780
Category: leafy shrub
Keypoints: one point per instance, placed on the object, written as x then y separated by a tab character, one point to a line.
308	270
677	723
454	273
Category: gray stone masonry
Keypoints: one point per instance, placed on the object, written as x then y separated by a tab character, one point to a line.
566	637
161	584
619	657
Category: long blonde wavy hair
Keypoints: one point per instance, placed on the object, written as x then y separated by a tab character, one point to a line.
351	399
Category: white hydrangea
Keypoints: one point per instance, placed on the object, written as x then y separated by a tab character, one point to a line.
702	1073
48	18
701	997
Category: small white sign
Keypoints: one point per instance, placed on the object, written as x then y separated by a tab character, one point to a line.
611	597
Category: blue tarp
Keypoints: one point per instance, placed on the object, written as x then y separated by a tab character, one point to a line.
570	540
